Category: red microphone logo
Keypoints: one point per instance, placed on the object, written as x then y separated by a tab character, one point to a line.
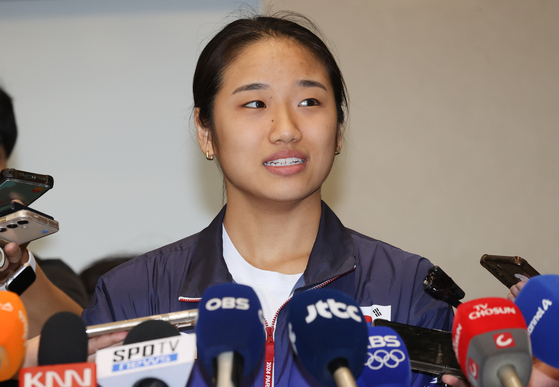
473	368
503	340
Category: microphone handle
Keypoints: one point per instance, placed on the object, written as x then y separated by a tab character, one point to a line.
228	367
508	376
339	368
344	378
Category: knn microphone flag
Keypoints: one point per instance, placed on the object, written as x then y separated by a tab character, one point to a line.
230	332
539	303
388	362
62	356
491	343
13	334
329	335
155	355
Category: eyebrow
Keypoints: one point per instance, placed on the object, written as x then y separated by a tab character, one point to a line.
309	83
264	86
251	86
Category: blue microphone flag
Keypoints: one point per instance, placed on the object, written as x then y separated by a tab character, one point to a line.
539	303
325	326
388	362
230	319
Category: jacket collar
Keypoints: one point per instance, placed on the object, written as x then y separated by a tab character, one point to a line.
332	255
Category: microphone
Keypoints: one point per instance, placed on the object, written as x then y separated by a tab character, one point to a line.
13	334
230	332
539	303
388	362
154	354
62	355
491	343
441	287
329	335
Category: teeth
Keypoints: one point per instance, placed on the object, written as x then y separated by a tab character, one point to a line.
287	161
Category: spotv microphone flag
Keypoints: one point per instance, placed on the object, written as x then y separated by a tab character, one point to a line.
388	362
539	303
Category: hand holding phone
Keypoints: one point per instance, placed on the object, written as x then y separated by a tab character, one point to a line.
509	270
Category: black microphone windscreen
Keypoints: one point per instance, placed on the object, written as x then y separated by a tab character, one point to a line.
63	340
150	330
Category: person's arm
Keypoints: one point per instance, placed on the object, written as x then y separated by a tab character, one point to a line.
42	299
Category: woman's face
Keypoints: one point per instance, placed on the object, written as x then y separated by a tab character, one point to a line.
275	118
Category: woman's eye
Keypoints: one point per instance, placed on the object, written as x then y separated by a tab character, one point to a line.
309	102
255	105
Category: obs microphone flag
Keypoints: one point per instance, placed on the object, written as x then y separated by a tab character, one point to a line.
491	343
13	334
154	354
329	335
230	332
388	362
62	355
539	303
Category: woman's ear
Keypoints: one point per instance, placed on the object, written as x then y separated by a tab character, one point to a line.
203	136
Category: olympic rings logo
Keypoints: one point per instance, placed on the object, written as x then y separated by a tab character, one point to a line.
382	358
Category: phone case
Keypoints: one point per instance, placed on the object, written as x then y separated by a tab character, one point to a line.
508	269
25	226
430	350
24	186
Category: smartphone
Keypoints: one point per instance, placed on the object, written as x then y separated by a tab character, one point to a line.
430	350
25	225
8	208
508	269
24	186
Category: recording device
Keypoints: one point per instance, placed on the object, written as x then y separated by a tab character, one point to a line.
62	355
24	186
329	335
491	343
181	319
13	334
441	287
539	303
164	359
388	362
230	332
508	269
21	224
430	350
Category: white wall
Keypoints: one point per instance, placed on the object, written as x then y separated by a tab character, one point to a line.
451	151
102	92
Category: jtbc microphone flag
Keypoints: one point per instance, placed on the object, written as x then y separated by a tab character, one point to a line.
329	334
539	302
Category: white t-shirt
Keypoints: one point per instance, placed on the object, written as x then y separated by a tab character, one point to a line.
272	288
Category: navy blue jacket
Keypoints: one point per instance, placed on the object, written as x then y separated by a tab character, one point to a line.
174	277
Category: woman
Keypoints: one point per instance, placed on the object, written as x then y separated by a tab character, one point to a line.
270	105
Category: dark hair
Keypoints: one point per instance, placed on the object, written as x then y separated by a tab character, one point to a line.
224	47
8	127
